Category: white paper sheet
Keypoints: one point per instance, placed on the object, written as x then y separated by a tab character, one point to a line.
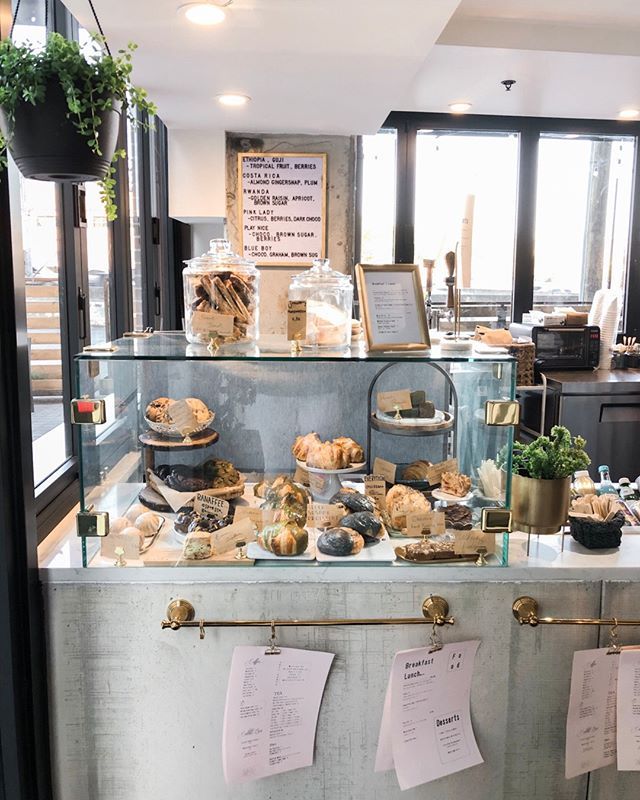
271	711
426	730
591	719
628	708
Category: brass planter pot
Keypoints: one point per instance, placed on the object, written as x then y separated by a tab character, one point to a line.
539	505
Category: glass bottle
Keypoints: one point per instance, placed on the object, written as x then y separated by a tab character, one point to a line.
626	491
221	299
606	484
582	483
329	298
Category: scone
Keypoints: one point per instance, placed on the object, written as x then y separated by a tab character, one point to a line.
455	483
327	455
303	443
199	409
157	409
354	451
402	500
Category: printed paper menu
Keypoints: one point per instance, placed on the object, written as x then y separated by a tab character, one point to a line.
426	730
628	708
271	711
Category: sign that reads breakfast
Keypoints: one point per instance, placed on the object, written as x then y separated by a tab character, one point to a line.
282	207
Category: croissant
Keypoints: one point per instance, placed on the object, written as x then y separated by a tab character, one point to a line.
302	443
354	451
327	455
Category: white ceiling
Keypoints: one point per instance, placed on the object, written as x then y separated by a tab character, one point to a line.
340	66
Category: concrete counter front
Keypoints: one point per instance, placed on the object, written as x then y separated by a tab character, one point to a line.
136	711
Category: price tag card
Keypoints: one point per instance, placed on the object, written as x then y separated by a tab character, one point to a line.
434	472
182	416
296	320
375	487
426	523
261	517
225	539
323	515
467	542
385	469
205	505
210	322
387	401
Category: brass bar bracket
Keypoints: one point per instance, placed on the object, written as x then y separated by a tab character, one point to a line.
525	610
182	614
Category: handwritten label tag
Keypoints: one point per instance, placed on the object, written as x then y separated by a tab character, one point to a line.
426	523
467	542
387	401
210	322
385	469
375	487
260	517
434	472
183	417
297	320
225	539
323	515
301	476
206	505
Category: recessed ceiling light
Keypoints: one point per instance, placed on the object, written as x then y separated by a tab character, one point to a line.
629	113
459	108
203	13
233	99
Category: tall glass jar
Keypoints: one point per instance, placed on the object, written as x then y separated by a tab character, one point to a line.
221	297
329	298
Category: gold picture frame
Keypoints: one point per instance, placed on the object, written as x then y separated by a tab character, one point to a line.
405	331
322	157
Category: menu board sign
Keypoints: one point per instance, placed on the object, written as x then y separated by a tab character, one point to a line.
282	201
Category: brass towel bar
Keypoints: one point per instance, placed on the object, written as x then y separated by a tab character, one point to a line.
181	614
525	610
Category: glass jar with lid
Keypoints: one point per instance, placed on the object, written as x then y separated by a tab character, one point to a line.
329	298
221	299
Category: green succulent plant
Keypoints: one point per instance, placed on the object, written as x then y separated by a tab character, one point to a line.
91	84
556	456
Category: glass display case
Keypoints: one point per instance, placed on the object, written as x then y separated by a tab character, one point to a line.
192	457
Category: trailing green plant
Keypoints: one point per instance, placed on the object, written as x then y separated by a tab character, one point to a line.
556	456
92	84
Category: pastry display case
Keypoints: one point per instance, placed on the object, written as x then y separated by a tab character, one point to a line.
278	457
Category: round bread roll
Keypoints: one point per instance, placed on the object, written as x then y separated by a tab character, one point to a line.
340	542
118	524
135	511
148	523
157	409
133	531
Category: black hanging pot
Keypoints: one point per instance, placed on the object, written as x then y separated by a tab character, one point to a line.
46	145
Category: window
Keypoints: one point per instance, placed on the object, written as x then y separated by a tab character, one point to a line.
135	225
99	266
583	217
378	197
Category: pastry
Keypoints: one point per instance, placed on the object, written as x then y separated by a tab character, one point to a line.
455	483
351	500
220	473
302	443
458	517
118	524
402	500
327	455
284	538
184	520
289	499
149	523
157	409
416	471
198	408
224	292
182	478
134	512
353	450
428	550
366	524
130	539
197	546
340	542
209	524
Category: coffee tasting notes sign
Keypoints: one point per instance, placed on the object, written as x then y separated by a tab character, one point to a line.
282	205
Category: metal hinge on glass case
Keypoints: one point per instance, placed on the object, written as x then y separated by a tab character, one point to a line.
88	412
502	412
496	520
92	523
145	334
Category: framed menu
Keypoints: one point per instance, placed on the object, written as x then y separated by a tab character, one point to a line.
392	304
282	207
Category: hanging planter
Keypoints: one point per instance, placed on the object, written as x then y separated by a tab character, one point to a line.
60	110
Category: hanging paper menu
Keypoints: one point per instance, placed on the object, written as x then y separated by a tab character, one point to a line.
282	207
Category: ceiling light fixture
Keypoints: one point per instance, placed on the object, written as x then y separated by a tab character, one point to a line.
233	99
459	108
208	13
629	113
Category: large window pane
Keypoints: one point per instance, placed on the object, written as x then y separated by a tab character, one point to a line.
99	263
583	214
466	190
378	198
135	225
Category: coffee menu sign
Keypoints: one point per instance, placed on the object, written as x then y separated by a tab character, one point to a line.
282	205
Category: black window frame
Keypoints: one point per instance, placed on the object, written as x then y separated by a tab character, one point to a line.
529	129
